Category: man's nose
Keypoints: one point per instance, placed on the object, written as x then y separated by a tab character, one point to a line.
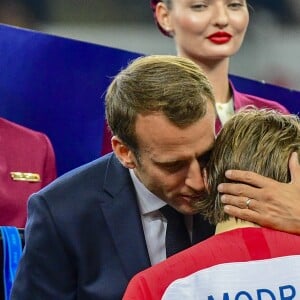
194	178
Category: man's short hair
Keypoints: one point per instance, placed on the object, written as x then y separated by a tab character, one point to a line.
172	85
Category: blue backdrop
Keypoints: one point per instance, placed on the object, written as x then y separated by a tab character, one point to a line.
56	85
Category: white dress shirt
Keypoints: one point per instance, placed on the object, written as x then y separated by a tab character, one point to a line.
225	111
154	224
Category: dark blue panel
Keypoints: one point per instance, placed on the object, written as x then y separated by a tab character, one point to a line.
56	85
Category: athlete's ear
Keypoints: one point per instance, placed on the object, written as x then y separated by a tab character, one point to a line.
123	153
163	17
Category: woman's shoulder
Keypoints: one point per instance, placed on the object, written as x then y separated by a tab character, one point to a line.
242	99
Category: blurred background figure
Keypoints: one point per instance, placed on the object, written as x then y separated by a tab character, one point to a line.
24	13
283	12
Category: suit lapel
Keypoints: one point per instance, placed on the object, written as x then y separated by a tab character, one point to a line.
122	215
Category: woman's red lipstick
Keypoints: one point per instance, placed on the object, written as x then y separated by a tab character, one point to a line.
220	37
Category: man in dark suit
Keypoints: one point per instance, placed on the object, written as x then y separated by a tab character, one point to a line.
27	163
95	227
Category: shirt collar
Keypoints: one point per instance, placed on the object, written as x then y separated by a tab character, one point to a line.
148	202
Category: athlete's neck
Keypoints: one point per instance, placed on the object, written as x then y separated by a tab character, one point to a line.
233	223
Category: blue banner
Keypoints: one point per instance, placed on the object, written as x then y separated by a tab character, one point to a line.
56	85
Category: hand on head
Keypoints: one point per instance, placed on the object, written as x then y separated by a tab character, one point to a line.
273	204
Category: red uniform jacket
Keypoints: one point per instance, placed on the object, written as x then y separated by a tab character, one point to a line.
241	100
31	153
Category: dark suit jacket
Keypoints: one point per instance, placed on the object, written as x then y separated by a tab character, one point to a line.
22	150
84	236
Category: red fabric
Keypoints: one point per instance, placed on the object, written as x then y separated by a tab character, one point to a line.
240	245
22	150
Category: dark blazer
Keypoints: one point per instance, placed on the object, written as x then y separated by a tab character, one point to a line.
30	153
84	238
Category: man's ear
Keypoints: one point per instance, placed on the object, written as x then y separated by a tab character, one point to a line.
123	153
163	17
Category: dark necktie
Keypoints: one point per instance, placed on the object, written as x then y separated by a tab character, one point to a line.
201	229
177	236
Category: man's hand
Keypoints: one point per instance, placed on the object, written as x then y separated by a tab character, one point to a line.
273	204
